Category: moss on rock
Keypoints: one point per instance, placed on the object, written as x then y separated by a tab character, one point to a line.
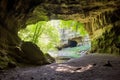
108	42
14	15
33	54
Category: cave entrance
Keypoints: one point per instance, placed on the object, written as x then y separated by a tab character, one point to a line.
59	38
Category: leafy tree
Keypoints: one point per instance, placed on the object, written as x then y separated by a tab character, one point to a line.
42	34
74	25
46	35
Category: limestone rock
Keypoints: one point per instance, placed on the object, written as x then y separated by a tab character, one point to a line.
97	15
32	53
49	58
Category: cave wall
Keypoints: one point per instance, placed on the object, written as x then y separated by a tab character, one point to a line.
13	17
101	19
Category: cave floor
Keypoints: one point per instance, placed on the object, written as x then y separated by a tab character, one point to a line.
89	67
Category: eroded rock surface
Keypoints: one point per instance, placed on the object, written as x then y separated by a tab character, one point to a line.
32	53
101	19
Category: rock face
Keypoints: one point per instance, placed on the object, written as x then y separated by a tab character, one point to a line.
32	53
101	19
108	41
49	58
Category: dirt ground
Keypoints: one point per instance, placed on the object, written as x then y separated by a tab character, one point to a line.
89	67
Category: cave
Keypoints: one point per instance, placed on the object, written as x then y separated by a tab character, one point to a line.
100	18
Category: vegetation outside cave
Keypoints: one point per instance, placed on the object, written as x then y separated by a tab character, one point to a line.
49	34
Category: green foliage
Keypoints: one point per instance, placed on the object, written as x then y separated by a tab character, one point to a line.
66	24
38	30
81	29
27	34
74	25
42	34
46	34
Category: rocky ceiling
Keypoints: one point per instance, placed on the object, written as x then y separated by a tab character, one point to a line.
101	19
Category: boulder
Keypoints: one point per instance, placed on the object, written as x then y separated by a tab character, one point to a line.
33	54
49	58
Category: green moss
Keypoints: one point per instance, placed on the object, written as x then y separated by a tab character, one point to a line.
106	43
38	14
3	62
